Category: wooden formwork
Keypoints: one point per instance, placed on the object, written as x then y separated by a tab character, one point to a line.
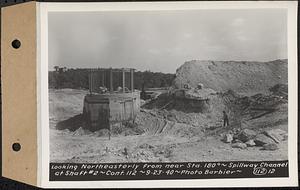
102	110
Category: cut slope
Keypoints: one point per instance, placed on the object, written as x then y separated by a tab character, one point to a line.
241	76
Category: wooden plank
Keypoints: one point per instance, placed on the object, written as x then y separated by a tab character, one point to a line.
132	83
111	88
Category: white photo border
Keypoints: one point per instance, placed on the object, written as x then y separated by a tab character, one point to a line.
43	107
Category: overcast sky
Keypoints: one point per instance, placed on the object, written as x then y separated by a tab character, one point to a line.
162	41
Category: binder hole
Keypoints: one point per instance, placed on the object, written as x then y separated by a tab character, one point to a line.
16	147
16	44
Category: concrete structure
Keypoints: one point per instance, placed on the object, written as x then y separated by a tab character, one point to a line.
194	99
119	103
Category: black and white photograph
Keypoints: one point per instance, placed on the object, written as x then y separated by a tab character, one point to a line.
169	86
205	85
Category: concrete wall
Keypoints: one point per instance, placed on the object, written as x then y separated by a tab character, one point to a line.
103	109
96	115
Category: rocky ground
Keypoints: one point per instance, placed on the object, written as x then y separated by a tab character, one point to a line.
66	147
176	132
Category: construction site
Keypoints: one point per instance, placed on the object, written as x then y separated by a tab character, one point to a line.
114	122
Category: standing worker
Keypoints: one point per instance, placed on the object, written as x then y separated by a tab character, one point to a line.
225	118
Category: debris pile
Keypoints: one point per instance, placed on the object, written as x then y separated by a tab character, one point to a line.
72	124
80	131
155	122
267	139
280	90
146	152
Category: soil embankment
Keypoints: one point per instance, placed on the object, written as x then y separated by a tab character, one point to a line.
254	95
240	76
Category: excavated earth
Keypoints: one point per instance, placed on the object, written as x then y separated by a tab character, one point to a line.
178	129
240	76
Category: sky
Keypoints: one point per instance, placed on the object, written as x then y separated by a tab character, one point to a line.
161	41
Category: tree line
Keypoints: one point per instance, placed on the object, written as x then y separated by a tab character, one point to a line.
79	79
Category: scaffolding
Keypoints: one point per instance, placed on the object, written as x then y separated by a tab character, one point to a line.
111	99
111	79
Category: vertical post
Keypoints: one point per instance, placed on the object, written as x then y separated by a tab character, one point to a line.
90	76
102	73
105	78
111	89
132	109
123	80
93	73
90	82
131	80
109	132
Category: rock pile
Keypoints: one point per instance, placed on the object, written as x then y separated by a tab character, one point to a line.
228	138
246	135
267	139
261	140
250	143
276	134
280	90
239	145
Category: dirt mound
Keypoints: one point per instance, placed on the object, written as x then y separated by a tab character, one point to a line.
64	103
186	118
264	110
197	113
76	125
81	131
187	104
280	90
101	133
72	123
256	112
241	76
155	122
126	129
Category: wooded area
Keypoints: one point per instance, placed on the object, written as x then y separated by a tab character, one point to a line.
78	79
